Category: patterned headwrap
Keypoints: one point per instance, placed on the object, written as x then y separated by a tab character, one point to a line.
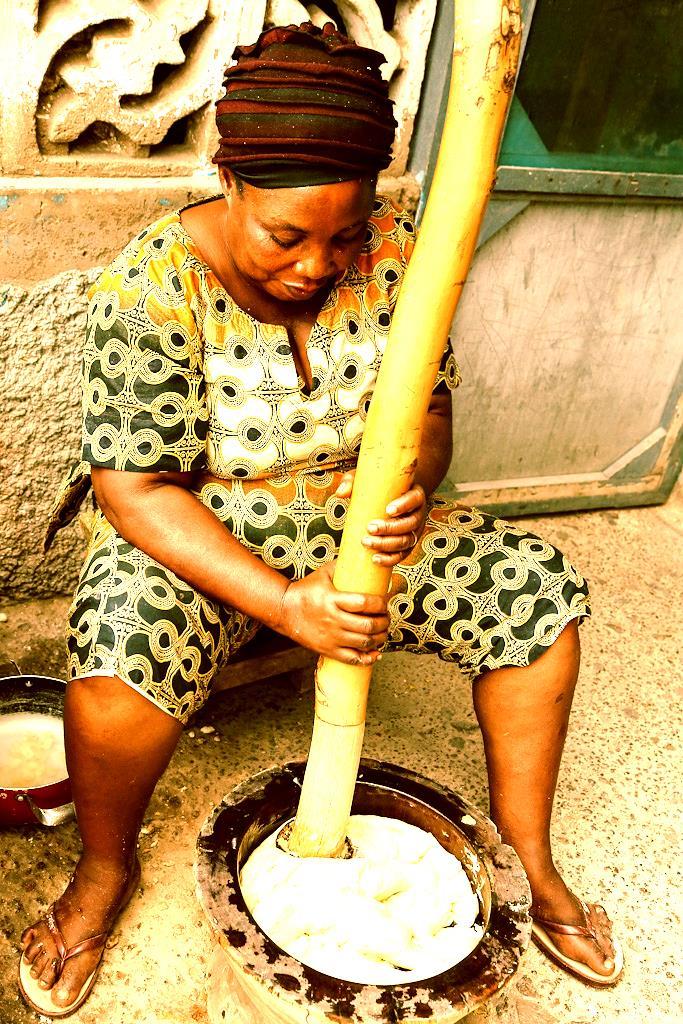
304	106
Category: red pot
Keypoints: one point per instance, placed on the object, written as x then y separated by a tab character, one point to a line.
50	804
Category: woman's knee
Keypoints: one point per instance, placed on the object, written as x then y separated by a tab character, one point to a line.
107	707
562	657
569	641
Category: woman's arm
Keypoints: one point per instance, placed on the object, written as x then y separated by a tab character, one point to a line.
158	513
436	448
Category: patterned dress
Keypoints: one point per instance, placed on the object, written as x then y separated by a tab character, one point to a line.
177	377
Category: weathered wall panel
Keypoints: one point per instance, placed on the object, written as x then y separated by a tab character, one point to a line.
570	339
40	332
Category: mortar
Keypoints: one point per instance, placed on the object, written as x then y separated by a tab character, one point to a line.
256	982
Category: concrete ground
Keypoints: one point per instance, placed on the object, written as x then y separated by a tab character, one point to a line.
616	826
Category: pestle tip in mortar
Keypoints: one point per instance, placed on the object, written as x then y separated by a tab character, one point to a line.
345	851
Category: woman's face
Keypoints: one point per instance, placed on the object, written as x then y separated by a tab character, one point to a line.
291	242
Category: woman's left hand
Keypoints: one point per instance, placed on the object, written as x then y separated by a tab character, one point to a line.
392	539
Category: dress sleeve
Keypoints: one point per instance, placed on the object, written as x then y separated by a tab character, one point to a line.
144	403
448	377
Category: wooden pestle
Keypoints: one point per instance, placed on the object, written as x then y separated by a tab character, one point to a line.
485	54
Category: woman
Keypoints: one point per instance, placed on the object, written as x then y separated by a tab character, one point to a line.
230	358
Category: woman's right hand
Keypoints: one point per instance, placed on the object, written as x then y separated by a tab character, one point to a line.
344	626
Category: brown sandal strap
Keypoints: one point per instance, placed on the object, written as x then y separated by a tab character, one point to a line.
564	929
92	942
588	931
56	934
64	953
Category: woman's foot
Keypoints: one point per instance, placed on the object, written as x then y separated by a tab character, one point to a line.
95	895
554	902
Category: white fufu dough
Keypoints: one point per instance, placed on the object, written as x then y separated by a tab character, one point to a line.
401	909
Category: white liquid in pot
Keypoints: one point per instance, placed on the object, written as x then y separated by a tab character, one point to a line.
400	910
31	750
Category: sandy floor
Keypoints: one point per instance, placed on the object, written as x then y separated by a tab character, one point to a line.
616	828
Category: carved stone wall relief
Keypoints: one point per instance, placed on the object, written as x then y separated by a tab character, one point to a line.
113	88
118	88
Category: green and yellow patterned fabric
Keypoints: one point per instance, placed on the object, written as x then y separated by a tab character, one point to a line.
478	591
178	377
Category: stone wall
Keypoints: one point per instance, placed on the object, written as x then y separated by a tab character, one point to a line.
107	122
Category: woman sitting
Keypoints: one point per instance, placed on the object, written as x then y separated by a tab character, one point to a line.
231	354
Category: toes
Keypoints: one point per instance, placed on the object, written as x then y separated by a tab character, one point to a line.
601	957
604	923
70	984
586	951
603	935
608	953
40	953
34	947
45	969
607	947
605	955
27	936
62	995
40	960
49	973
606	965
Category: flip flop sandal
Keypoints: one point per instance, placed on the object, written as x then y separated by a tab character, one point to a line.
40	999
542	927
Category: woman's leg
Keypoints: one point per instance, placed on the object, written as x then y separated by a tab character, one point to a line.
132	614
523	714
118	744
490	596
